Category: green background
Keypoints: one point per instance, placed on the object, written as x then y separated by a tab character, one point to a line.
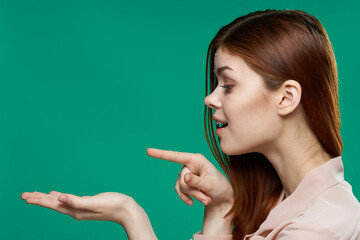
87	86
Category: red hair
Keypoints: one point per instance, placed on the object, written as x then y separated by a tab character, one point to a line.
279	45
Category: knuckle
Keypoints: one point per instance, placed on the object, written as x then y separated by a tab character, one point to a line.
200	156
75	204
183	172
178	191
181	180
183	188
129	201
181	177
185	169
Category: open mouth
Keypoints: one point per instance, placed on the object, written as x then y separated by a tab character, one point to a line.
221	125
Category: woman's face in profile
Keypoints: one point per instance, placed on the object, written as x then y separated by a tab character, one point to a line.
251	118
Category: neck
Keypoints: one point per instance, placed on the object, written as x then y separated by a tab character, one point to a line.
295	153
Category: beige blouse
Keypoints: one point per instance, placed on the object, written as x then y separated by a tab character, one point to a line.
322	207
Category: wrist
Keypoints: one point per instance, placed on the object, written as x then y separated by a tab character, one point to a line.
215	222
136	223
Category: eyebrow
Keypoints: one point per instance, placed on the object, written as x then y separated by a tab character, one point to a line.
221	69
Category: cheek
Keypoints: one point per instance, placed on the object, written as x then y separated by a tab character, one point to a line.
244	109
250	121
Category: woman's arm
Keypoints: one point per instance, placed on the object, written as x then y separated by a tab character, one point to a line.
109	206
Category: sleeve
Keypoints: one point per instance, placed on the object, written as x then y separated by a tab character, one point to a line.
197	236
300	231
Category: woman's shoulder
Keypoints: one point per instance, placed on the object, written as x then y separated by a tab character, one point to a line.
336	209
338	199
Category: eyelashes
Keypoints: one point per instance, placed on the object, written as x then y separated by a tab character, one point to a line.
227	88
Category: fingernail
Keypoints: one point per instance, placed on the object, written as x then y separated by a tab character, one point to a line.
204	201
63	198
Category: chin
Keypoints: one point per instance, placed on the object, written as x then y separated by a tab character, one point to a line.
229	151
235	151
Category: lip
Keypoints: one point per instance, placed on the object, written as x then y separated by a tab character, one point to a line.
220	130
218	119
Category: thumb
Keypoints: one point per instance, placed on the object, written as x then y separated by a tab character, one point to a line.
194	181
75	201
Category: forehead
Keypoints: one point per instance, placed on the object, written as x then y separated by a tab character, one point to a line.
240	70
224	58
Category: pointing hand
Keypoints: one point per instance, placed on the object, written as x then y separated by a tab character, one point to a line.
199	178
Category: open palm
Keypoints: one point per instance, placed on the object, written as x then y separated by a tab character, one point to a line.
107	206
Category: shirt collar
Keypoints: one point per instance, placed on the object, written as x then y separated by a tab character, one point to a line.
315	182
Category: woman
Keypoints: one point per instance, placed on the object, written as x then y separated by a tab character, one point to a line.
274	91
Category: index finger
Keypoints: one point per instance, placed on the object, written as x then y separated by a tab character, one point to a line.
172	156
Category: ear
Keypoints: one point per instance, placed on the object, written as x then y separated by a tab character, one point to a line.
288	97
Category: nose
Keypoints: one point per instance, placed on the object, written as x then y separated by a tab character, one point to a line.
212	100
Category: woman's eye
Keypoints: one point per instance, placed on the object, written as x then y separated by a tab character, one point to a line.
227	88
